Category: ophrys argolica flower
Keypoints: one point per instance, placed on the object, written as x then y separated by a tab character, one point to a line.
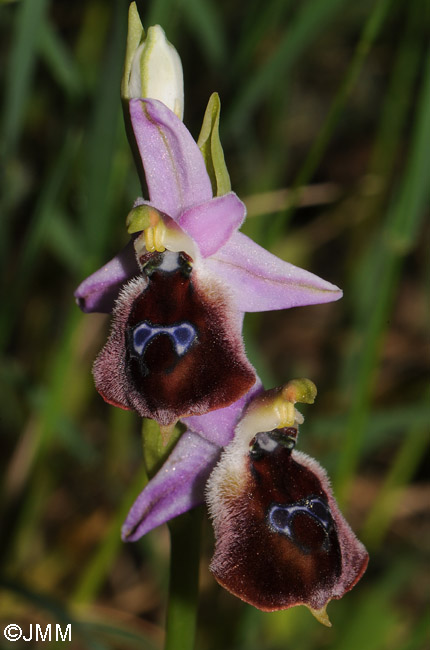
280	538
179	290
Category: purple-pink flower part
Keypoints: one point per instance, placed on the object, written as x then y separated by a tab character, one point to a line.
176	348
179	485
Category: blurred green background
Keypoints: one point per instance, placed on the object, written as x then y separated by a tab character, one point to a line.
326	131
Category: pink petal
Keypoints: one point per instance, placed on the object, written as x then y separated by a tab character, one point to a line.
174	167
261	281
100	290
218	426
211	224
177	487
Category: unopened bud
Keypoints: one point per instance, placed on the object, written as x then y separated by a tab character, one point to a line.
153	68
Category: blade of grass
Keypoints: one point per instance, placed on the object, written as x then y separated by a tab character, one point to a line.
204	22
99	203
96	219
203	18
402	226
310	19
20	516
399	92
392	124
91	42
60	366
43	425
370	625
385	424
95	573
19	73
370	31
59	60
40	223
257	22
420	634
92	577
65	242
23	58
402	470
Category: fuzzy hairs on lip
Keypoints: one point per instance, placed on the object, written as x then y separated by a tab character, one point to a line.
280	539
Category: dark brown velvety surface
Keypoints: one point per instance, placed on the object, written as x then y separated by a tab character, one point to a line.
304	564
161	384
174	382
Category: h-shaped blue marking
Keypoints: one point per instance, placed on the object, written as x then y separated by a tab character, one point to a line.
281	516
182	335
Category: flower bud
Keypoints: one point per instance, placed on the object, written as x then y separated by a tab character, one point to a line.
153	68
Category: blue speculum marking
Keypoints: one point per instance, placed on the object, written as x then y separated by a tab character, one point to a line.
281	517
181	334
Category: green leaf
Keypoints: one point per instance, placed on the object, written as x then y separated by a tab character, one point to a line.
210	145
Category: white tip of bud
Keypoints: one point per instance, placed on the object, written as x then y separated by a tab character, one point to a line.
155	71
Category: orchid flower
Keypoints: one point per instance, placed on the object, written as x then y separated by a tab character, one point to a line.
178	292
280	539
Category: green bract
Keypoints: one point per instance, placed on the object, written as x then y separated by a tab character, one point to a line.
209	144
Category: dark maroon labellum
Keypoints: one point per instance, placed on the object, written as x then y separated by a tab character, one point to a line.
282	541
177	351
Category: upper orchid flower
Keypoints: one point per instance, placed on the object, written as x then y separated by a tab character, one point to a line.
181	288
280	539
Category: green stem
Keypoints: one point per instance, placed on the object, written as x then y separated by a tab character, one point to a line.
184	581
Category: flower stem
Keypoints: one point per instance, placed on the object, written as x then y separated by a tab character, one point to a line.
184	581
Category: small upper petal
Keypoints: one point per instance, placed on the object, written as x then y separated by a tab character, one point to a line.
174	167
176	488
260	281
98	292
211	224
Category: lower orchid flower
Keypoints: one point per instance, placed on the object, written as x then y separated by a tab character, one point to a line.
179	290
280	539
